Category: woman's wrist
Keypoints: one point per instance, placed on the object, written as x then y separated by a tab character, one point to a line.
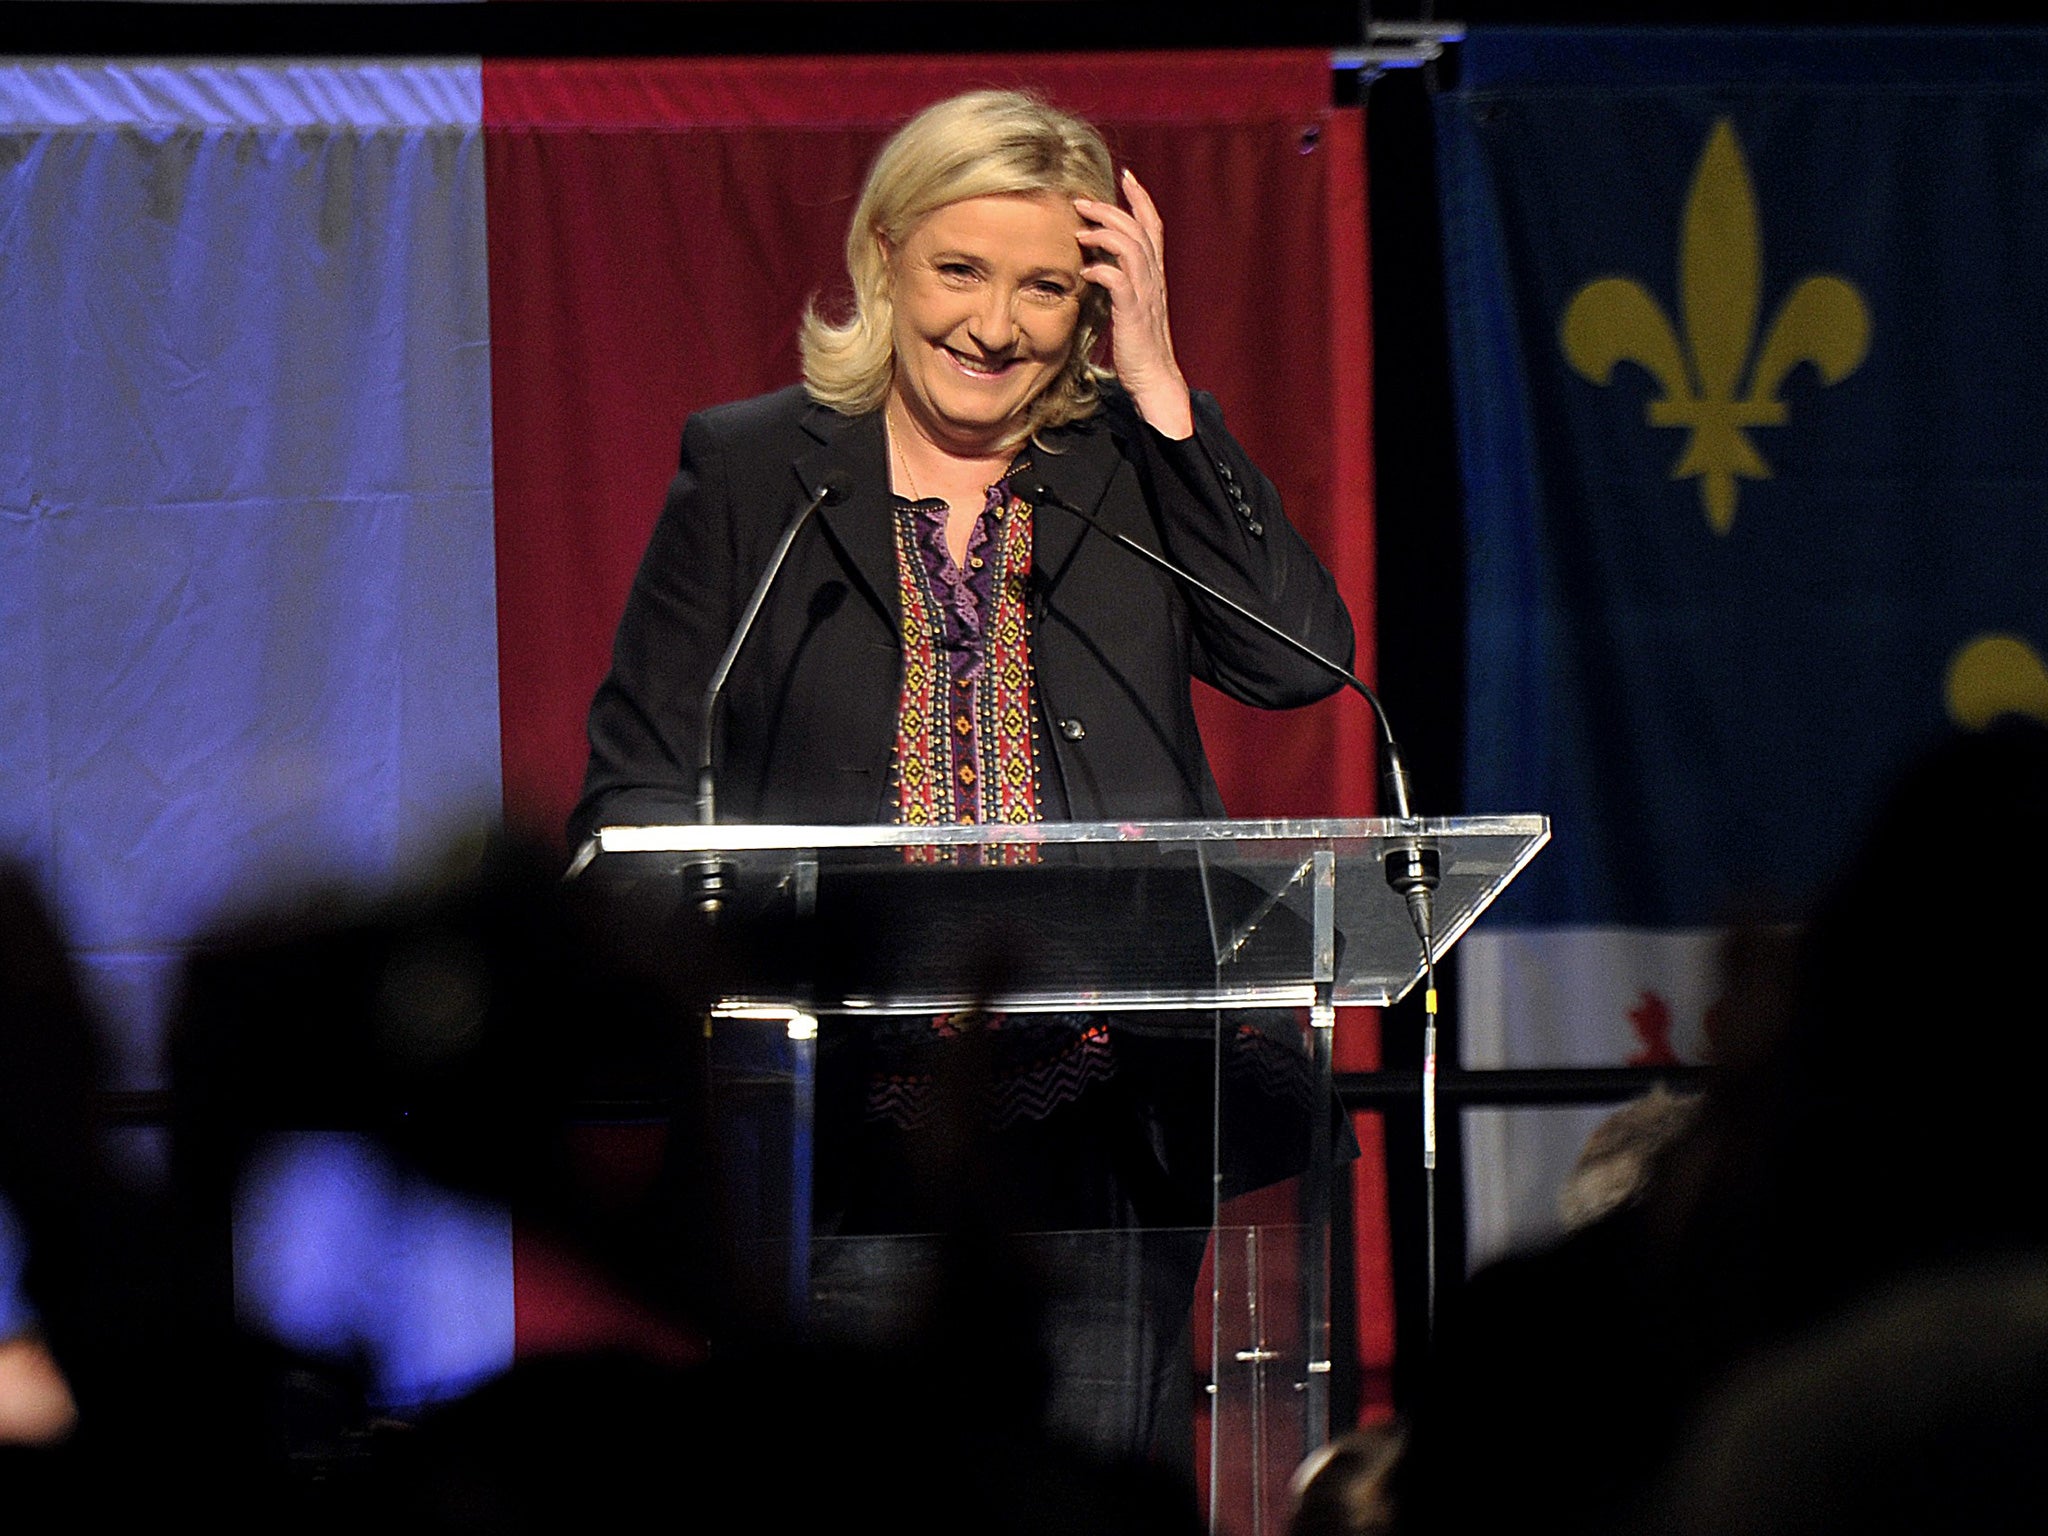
1166	408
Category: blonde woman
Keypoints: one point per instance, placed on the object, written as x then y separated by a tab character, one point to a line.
937	649
987	254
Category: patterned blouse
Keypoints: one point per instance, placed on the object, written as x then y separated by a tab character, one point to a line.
967	734
969	748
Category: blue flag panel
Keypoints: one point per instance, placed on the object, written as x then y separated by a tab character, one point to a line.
246	568
247	596
1748	333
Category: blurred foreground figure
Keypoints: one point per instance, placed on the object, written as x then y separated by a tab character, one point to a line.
458	1031
43	1043
119	1391
36	1405
1346	1487
1615	1166
449	1036
1921	1411
1876	1122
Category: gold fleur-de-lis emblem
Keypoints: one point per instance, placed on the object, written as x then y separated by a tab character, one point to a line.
1995	675
1614	320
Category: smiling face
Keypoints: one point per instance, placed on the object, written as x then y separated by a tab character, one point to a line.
987	296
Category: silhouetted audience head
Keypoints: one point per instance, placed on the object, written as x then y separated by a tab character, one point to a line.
1345	1488
1921	1410
449	1036
1912	1075
51	1066
1873	1125
1620	1157
48	1069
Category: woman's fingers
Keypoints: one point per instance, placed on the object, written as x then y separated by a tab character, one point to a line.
1146	213
1117	250
1140	227
1119	246
1124	248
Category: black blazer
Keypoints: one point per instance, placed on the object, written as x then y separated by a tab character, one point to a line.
809	717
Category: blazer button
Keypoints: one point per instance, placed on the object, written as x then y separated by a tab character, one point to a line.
1073	729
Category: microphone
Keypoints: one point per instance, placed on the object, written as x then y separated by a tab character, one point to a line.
1412	871
832	488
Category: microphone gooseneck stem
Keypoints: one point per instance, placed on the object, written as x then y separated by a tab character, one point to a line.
1394	779
707	789
1412	869
1396	776
1429	1200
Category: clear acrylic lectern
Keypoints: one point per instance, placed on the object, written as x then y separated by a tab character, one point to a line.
1191	929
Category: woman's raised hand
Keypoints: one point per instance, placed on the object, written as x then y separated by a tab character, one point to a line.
1125	253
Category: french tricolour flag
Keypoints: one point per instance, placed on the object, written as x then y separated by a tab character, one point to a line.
337	403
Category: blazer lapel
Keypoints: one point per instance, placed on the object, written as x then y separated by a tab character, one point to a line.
1077	466
1077	463
851	451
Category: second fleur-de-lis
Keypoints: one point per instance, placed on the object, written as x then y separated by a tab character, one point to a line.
1614	320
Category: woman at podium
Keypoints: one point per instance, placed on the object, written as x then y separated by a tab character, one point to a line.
989	253
949	641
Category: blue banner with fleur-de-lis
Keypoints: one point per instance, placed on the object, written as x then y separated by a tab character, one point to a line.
1748	335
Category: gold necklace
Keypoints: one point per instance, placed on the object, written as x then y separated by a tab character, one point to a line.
902	458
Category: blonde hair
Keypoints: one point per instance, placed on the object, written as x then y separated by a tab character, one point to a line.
983	144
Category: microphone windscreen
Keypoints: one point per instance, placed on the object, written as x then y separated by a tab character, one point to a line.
1028	485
